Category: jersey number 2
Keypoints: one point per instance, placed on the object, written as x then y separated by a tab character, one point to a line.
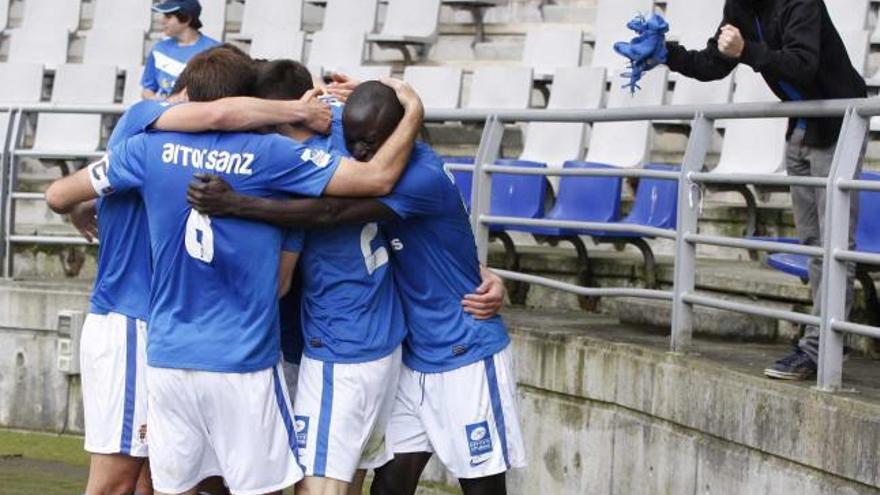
199	237
373	259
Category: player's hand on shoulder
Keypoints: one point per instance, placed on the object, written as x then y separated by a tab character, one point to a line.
405	93
211	195
318	114
341	86
488	299
84	217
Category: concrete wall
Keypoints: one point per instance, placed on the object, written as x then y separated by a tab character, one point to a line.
601	414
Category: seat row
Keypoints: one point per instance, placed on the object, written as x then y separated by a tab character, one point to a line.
753	145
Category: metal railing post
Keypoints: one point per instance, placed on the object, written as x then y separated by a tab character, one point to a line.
481	191
4	172
845	165
12	141
688	216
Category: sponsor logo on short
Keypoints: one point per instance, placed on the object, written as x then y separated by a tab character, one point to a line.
142	433
479	441
301	427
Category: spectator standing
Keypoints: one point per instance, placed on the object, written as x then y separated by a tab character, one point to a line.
168	58
798	51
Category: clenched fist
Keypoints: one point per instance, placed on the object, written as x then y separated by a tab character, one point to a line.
730	41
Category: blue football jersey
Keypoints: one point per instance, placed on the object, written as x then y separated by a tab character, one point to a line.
213	300
122	283
350	309
167	60
288	306
434	259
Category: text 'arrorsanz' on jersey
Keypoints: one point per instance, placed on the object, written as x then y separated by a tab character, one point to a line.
216	160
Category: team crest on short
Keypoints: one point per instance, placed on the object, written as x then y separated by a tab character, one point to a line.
479	442
301	427
319	157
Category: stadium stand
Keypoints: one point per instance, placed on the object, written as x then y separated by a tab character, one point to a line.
549	49
48	47
554	143
4	14
49	15
122	15
439	87
366	72
213	18
131	92
278	43
867	241
72	134
408	23
19	83
507	88
357	16
849	15
692	23
117	47
754	146
332	50
857	44
626	144
270	14
610	27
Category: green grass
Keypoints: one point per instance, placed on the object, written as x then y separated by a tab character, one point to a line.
67	449
47	464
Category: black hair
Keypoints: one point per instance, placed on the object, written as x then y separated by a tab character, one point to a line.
371	114
283	80
189	19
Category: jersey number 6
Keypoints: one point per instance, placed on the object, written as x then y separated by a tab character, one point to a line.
199	237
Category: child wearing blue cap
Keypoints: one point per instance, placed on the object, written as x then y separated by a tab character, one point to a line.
168	58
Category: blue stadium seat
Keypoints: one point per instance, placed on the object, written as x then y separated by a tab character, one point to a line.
867	240
463	179
517	195
586	199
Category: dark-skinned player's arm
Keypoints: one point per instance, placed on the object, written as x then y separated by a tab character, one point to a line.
211	195
377	176
243	113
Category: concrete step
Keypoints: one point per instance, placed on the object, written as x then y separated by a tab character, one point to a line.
34	304
740	281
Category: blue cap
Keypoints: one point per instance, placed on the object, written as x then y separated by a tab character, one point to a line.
188	7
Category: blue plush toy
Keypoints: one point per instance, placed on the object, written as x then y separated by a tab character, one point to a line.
645	51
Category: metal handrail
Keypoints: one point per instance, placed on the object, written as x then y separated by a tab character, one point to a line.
683	296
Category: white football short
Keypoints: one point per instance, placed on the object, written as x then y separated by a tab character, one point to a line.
467	416
112	365
234	425
342	412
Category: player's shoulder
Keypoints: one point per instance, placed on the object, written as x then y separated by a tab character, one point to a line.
425	160
207	41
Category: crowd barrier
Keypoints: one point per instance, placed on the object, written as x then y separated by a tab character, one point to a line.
840	184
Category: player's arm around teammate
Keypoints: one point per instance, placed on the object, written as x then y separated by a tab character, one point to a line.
211	195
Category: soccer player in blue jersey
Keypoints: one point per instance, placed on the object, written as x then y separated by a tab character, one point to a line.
113	352
213	339
457	392
168	58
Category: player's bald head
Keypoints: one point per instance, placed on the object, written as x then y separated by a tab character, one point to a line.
371	114
219	72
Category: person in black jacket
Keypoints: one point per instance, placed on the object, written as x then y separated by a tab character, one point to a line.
794	45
